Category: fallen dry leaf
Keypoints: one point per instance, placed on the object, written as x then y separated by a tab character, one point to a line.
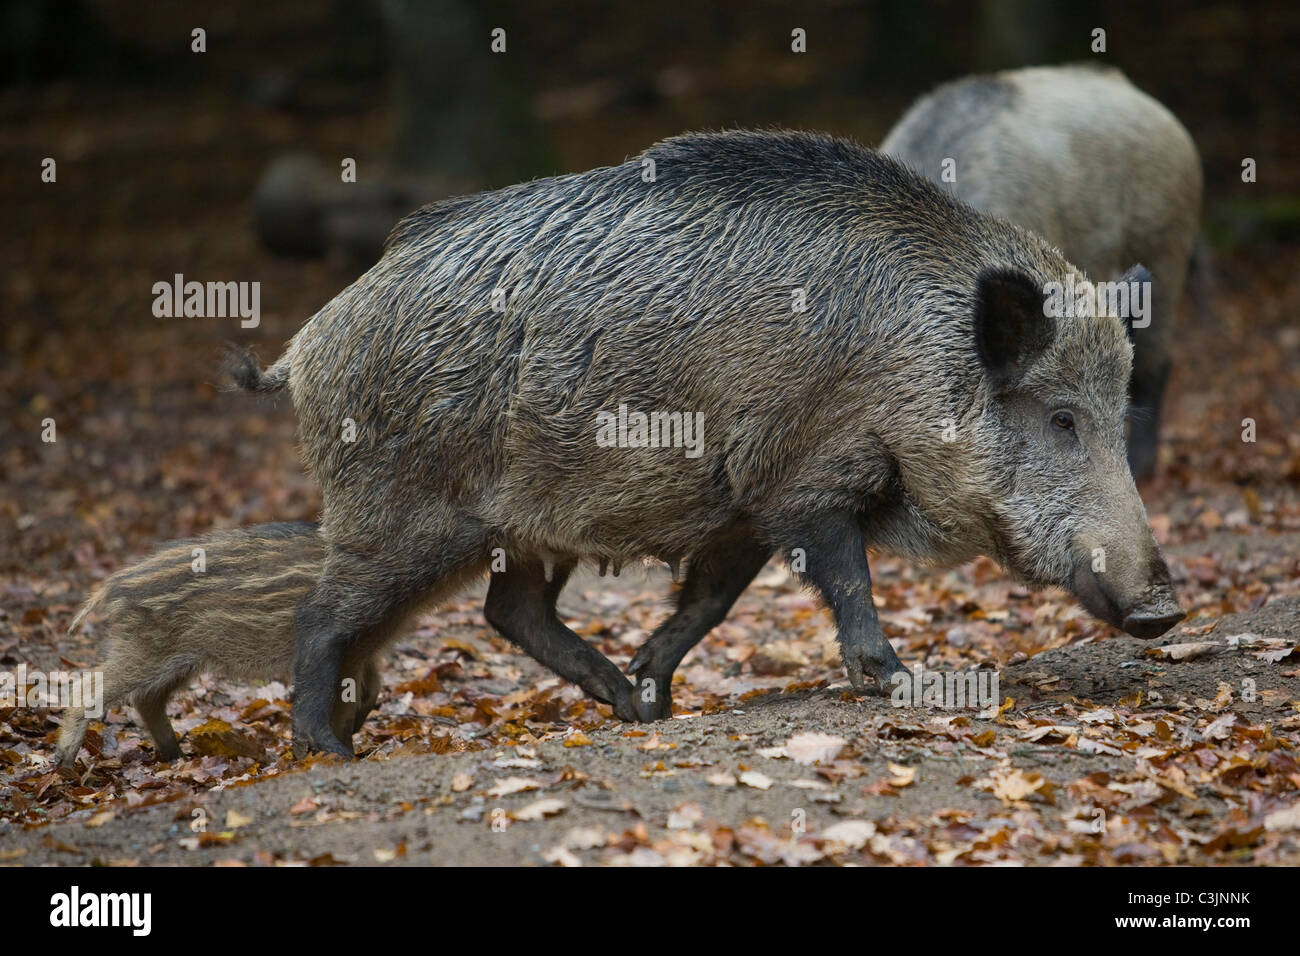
561	856
1185	652
685	817
902	776
546	807
216	738
1285	819
853	834
508	785
1012	785
814	748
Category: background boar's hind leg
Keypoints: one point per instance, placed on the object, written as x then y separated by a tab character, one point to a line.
715	578
1148	390
521	605
837	568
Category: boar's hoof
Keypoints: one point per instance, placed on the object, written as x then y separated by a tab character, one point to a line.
625	707
169	751
303	744
652	694
878	663
658	706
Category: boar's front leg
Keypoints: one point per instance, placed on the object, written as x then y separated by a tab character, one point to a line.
836	558
521	605
715	577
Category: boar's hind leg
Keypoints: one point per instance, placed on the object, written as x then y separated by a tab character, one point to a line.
715	577
151	702
153	711
350	715
358	593
72	731
837	568
521	605
371	683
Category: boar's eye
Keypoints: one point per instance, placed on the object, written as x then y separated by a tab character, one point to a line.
1063	420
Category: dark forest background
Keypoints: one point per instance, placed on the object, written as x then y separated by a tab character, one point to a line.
161	150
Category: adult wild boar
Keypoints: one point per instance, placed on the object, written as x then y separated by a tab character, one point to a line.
1101	170
870	358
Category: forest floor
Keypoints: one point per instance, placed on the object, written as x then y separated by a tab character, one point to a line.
1103	754
1102	748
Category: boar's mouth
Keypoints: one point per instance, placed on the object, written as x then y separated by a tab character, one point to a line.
1086	587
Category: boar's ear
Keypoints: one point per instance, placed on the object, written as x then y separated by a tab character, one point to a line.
1011	329
1138	274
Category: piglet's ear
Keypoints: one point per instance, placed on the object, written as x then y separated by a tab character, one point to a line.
1011	329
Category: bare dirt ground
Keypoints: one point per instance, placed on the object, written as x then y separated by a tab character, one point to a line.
1105	754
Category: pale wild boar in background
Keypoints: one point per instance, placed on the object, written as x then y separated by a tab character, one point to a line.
871	359
1101	170
168	622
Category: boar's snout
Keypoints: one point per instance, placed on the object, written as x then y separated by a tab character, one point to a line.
1154	611
1153	616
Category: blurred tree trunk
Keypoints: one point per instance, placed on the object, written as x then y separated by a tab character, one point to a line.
464	111
1013	33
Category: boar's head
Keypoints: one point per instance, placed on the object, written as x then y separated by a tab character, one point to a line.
1066	510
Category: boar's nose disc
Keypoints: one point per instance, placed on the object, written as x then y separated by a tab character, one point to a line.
1149	624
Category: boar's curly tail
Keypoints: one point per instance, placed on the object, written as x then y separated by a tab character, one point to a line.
243	369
